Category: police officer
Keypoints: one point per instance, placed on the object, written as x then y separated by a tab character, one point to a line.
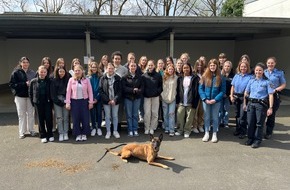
277	78
239	84
259	92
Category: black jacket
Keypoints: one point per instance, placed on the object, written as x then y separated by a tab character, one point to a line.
58	90
34	93
129	83
18	84
192	96
152	84
104	89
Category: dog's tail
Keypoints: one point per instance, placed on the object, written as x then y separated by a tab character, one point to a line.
108	150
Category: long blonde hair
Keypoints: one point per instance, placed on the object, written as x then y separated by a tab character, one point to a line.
98	73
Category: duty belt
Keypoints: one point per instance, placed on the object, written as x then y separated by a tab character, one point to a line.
264	102
239	95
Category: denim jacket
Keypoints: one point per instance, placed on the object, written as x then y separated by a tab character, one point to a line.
213	91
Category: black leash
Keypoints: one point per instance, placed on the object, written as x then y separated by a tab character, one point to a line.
108	149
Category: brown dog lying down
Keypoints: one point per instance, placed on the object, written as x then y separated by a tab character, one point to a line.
148	152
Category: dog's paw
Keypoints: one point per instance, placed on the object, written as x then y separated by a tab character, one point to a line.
165	167
124	160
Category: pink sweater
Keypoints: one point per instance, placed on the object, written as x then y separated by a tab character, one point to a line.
71	90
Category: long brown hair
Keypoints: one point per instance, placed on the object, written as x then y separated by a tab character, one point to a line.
208	75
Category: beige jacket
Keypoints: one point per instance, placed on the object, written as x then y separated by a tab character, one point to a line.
169	89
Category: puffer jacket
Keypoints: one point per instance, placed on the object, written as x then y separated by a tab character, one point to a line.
213	91
129	83
153	86
18	84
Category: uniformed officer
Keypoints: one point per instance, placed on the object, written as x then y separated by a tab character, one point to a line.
239	84
259	92
277	78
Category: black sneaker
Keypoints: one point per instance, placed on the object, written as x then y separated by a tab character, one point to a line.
236	133
268	136
249	142
256	144
242	136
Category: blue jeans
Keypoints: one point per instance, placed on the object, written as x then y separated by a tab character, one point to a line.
62	119
169	115
211	114
224	108
96	115
111	110
132	107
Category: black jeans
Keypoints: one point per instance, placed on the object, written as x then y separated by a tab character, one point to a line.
270	124
44	112
241	117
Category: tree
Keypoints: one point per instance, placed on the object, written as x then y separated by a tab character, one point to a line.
50	6
233	8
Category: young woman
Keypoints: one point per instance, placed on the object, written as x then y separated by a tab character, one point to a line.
46	62
58	94
225	103
103	63
39	93
152	90
239	83
168	96
187	100
59	64
212	88
169	60
111	92
259	92
160	67
74	62
19	84
143	63
94	75
198	120
184	58
222	60
79	99
178	67
277	78
133	88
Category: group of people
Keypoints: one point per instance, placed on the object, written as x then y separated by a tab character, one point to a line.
186	97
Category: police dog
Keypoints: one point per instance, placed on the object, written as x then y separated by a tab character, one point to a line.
147	152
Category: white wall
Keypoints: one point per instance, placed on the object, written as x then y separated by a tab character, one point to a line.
267	8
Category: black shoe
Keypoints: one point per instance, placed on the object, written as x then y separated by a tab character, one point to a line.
256	144
241	136
268	136
249	142
221	125
236	133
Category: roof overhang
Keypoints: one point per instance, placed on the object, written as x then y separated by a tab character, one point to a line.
102	28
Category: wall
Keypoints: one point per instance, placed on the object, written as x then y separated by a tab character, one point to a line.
267	8
11	50
260	50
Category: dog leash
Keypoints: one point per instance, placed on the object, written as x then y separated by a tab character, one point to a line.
108	149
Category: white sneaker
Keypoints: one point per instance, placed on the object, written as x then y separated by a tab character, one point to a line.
141	120
51	139
65	137
60	138
177	133
103	123
108	135
186	135
79	138
130	134
99	132
84	137
136	134
93	132
151	131
116	134
201	129
146	132
205	137
195	130
44	140
214	137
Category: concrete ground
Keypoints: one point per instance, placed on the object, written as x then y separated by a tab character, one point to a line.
228	164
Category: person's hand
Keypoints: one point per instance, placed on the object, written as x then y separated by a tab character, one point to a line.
67	106
245	107
269	111
91	106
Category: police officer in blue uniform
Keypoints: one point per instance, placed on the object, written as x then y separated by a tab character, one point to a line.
259	93
277	78
239	84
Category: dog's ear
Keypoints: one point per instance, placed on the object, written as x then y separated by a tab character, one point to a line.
151	137
160	137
